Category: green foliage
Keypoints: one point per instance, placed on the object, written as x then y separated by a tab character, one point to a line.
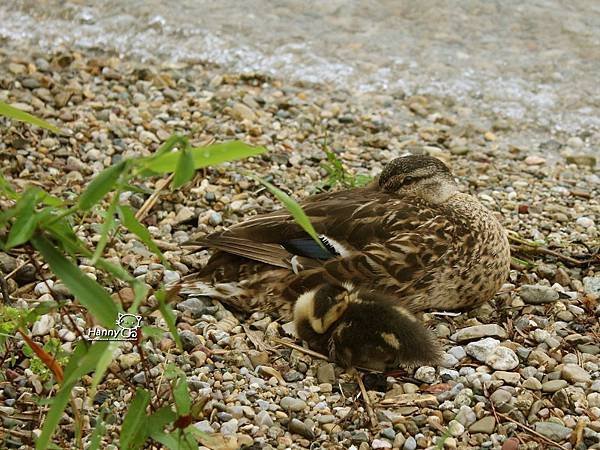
338	175
40	221
13	113
52	347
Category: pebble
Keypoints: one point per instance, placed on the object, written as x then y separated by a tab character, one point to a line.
410	443
263	419
197	306
575	374
299	427
479	331
552	430
532	383
43	325
591	285
43	287
537	294
292	404
380	443
326	373
171	277
482	349
554	385
485	425
425	374
502	358
455	428
189	340
458	352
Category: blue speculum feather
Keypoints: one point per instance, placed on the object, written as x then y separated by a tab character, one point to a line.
308	248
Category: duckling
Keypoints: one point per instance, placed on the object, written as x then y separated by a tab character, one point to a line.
410	235
360	328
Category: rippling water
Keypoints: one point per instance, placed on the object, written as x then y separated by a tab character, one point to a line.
536	61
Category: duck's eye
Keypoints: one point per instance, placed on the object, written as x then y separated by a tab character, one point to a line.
408	179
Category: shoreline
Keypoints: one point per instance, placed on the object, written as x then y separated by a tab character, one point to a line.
116	109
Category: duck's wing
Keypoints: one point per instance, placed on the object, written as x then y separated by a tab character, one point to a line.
345	221
365	234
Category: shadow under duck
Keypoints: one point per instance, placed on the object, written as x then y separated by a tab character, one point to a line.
409	235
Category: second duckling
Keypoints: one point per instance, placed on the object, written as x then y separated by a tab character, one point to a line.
362	328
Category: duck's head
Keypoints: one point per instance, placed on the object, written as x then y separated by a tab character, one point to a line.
362	329
420	175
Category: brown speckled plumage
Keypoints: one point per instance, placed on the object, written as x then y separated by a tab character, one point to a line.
410	235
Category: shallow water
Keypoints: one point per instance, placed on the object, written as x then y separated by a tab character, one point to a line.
536	61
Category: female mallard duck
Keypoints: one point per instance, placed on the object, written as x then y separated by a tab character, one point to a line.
410	235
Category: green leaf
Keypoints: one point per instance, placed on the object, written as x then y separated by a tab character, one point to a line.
106	357
99	430
107	226
185	169
172	142
205	156
6	188
16	114
141	291
294	208
161	418
130	222
134	419
27	219
169	316
182	396
166	439
89	293
82	361
59	403
101	185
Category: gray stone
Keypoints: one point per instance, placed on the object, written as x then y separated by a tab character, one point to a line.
189	340
292	404
554	385
43	325
591	285
466	415
7	263
482	349
479	331
536	294
502	358
533	384
458	352
455	428
485	425
410	443
128	360
299	427
575	374
326	373
170	277
552	430
292	376
204	426
426	374
380	443
230	427
502	400
197	306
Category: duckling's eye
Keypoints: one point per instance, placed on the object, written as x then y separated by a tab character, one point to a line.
408	180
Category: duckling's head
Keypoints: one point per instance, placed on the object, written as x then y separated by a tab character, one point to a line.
362	329
424	176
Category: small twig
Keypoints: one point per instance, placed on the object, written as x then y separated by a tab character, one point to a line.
4	290
149	204
366	398
300	348
19	267
532	431
542	249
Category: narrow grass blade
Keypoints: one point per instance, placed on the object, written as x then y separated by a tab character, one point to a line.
134	419
59	403
26	219
108	226
130	222
205	156
14	113
293	207
182	397
99	430
169	316
185	169
89	293
101	185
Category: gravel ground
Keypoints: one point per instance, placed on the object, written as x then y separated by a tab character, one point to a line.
522	371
